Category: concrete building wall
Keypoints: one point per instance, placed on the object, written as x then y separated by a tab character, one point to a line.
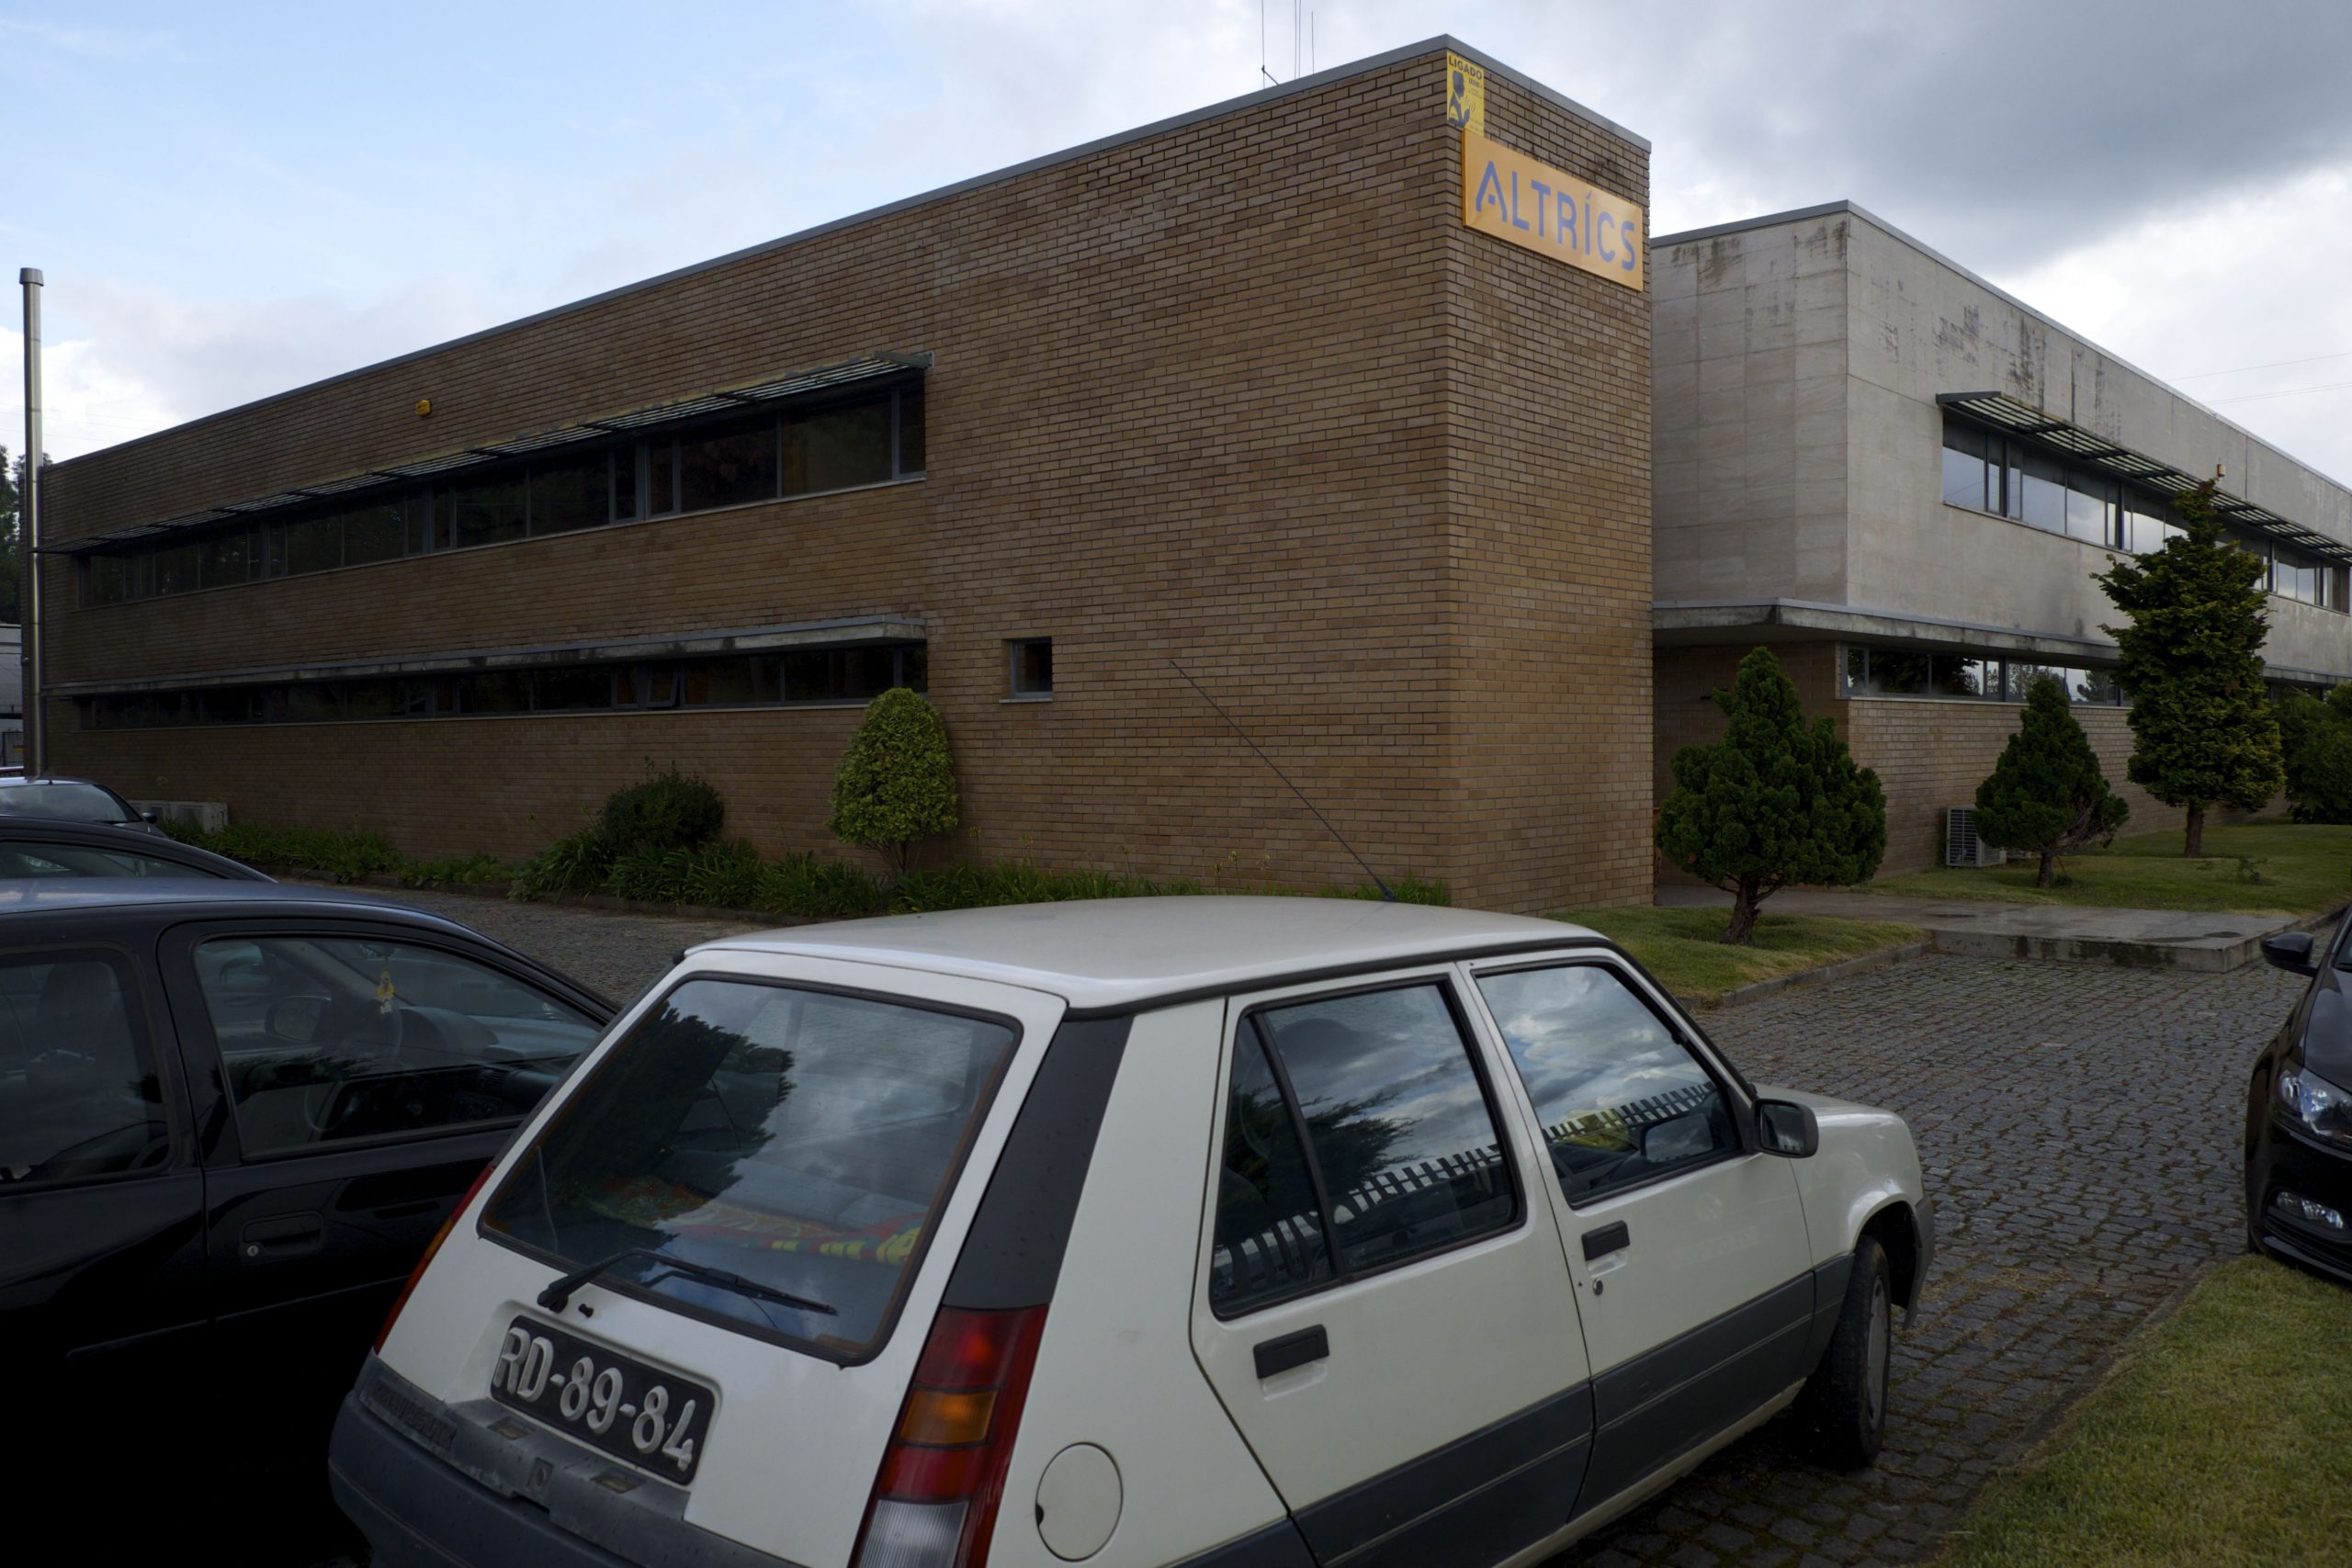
1240	392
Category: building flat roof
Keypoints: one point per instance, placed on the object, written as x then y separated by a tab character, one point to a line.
1441	42
1115	953
1854	208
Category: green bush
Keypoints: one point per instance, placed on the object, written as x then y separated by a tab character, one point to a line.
1776	801
2046	795
577	863
2317	739
896	785
667	810
466	871
808	888
338	856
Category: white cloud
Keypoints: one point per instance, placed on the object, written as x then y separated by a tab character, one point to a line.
2251	280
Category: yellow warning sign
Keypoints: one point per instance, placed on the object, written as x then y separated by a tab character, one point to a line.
1466	95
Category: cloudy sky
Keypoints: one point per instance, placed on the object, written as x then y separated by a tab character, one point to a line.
229	201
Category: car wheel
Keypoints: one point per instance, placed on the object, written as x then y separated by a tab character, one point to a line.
1846	1398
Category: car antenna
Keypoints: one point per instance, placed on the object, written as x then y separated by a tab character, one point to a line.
1387	893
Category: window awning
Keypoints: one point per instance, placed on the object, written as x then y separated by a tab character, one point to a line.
2005	412
779	389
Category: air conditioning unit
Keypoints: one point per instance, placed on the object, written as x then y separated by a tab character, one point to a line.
1961	846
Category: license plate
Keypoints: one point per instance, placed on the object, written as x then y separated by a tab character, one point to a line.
654	1420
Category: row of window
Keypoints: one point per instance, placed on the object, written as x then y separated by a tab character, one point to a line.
1989	472
1904	673
763	456
1359	1134
759	680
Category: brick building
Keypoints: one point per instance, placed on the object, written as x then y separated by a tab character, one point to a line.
1903	480
1249	390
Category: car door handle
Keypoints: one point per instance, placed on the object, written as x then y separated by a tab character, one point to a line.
282	1235
1279	1355
1606	1239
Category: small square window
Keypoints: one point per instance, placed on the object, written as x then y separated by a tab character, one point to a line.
1032	664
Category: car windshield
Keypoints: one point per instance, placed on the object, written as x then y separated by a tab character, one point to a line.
802	1140
75	802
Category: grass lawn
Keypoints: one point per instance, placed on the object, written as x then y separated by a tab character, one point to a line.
2300	871
1683	947
2225	1438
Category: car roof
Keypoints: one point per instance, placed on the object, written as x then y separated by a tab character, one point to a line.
57	895
130	840
1111	955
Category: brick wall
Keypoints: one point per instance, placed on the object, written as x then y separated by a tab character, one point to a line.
1241	393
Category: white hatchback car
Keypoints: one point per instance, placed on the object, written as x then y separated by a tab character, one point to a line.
1259	1233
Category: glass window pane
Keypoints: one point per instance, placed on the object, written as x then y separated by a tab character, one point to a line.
1270	1238
313	701
662	466
1897	674
78	1092
727	466
1963	479
2045	493
371	699
721	682
1954	676
1858	669
1620	1099
623	483
558	689
914	668
376	531
2090	509
505	692
910	431
1033	668
179	569
570	494
803	1140
35	857
313	544
105	581
485	512
1398	1122
327	1038
226	559
837	448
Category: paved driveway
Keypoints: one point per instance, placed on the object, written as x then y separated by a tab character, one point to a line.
2079	1124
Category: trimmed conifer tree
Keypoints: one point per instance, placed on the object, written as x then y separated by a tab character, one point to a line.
1776	800
2203	729
896	785
2047	796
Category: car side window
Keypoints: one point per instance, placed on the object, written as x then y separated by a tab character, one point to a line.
1374	1098
79	1096
1621	1099
324	1039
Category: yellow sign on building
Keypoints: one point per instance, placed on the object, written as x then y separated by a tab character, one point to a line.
1549	211
1465	94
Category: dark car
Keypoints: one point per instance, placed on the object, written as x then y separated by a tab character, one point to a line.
233	1114
44	846
74	800
2298	1114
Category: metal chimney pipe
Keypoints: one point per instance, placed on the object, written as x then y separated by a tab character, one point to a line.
28	531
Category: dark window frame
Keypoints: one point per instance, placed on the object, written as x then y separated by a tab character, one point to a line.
1444	981
1014	648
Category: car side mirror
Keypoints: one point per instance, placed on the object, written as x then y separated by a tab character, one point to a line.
2290	950
1784	1127
295	1020
148	817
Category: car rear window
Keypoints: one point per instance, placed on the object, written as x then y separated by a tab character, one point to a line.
74	802
799	1140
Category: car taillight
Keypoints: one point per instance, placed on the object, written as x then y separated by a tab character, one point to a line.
935	1502
426	1261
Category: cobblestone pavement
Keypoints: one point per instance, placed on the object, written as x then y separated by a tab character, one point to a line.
2080	1127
